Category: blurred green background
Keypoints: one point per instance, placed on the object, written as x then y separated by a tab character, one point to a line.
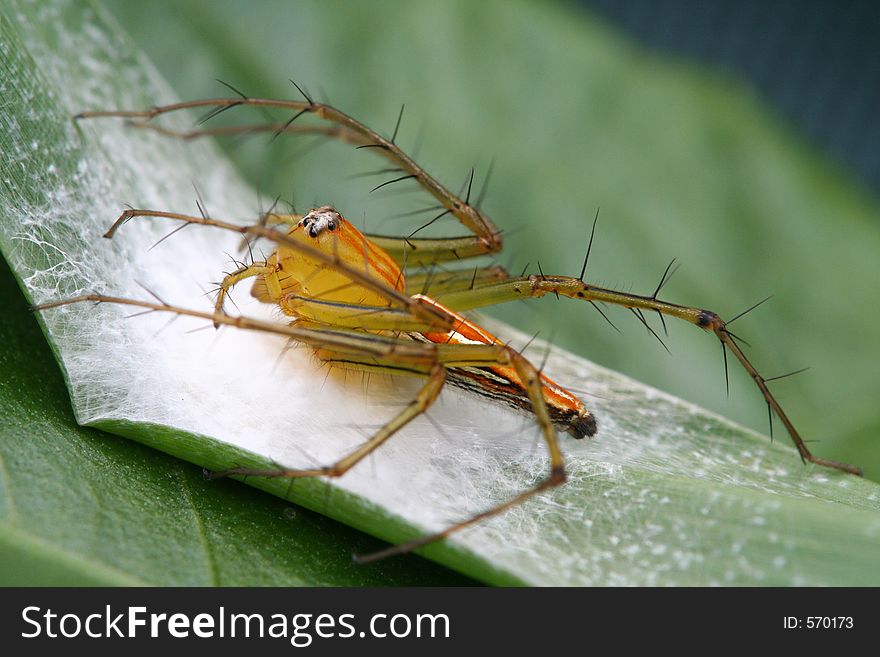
817	62
684	162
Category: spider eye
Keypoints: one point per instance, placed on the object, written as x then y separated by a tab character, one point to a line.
331	225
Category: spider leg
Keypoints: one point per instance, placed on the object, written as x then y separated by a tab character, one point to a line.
268	272
524	287
417	252
335	132
423	400
485	238
270	218
446	356
352	316
435	282
363	345
368	351
530	377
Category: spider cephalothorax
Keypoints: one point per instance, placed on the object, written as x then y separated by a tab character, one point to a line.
320	219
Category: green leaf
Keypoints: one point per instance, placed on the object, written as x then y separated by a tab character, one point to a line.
667	493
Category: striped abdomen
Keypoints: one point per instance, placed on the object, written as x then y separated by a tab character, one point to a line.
501	382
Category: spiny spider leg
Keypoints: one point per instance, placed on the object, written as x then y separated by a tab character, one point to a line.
487	237
365	345
535	286
257	268
335	132
423	400
374	352
433	283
